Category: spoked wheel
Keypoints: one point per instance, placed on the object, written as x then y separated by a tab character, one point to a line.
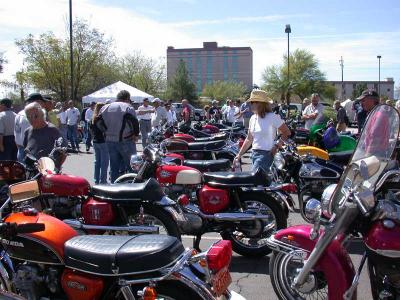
283	269
249	237
154	216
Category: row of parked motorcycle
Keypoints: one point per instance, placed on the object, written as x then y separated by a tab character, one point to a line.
65	239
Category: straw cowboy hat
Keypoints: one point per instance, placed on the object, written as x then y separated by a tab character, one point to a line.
259	96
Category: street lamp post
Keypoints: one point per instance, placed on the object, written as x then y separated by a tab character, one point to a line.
288	30
342	65
71	55
379	78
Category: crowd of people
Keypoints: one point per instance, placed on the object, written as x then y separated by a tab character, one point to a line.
112	129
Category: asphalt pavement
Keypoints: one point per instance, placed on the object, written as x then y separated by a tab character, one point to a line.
250	277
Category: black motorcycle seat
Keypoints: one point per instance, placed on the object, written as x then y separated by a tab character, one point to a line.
209	165
115	255
341	158
256	178
212	145
149	190
218	137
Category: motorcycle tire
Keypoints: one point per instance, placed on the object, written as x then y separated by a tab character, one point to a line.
281	279
280	220
159	214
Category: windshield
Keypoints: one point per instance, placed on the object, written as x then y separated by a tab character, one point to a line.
374	150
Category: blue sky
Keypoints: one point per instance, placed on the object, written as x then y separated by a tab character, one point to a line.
357	30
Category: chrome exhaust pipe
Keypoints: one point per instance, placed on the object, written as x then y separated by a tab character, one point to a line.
224	217
132	229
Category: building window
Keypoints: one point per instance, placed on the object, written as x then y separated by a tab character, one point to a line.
354	85
235	66
388	90
209	67
190	65
226	75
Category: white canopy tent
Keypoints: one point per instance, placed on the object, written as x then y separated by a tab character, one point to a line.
110	93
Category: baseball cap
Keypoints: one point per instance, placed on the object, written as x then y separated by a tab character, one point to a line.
368	93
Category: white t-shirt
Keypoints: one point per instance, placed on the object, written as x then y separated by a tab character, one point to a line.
146	116
62	116
89	115
239	119
171	116
264	130
230	113
72	116
311	109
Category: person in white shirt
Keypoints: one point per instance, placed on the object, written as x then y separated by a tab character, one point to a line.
144	114
22	124
73	116
159	116
263	127
171	115
88	120
314	112
238	114
62	121
231	112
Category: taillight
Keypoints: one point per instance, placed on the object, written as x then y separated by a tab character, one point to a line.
219	255
148	293
290	188
97	212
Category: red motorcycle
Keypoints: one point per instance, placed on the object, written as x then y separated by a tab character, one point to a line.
44	258
240	206
312	263
99	208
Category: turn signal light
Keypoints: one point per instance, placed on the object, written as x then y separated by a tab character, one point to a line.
149	293
183	200
219	255
289	188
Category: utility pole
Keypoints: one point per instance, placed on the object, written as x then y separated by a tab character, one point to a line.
342	65
71	52
379	80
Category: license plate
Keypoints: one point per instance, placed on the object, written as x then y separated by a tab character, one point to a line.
220	281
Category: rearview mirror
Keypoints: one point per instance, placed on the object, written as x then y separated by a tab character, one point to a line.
24	191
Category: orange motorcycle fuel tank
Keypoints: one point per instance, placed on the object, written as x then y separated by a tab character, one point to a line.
46	247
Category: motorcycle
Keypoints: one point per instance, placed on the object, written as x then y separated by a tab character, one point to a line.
305	175
240	206
98	208
44	258
311	262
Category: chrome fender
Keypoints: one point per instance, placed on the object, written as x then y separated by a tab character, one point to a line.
335	263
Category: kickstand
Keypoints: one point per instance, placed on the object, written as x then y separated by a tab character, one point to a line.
196	242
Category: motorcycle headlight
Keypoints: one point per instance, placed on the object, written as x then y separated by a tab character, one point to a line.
279	161
326	199
136	163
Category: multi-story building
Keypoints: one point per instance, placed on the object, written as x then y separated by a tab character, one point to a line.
386	87
212	63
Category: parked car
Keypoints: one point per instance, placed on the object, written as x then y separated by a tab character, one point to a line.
198	112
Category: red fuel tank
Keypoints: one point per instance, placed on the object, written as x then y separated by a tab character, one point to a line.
167	174
46	246
210	128
185	137
385	241
64	185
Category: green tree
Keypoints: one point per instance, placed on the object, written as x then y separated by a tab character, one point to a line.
48	64
2	62
360	87
305	77
181	87
224	89
144	73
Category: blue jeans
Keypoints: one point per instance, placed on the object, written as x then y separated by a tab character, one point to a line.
64	132
73	136
120	156
21	154
101	161
262	159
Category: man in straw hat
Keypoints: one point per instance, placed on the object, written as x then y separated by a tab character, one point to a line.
263	127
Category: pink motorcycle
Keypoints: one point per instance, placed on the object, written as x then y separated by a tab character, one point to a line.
309	262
